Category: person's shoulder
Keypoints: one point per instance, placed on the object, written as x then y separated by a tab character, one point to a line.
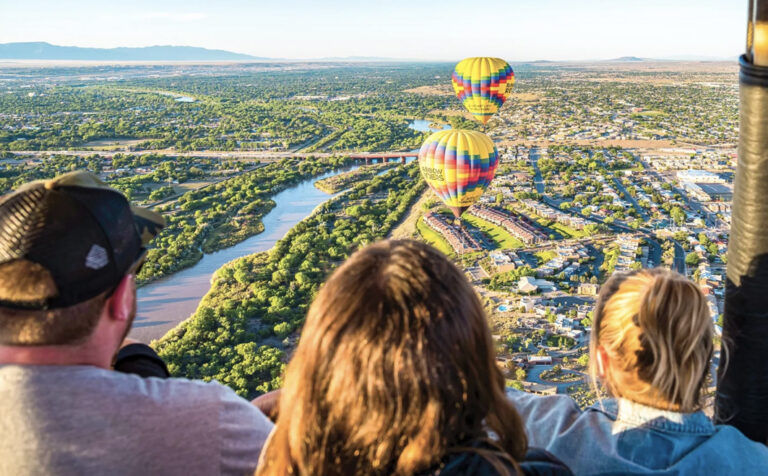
529	402
729	435
241	429
166	393
539	462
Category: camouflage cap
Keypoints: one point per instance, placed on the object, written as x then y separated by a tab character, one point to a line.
83	232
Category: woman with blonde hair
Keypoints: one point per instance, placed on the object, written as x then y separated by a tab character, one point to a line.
395	373
651	347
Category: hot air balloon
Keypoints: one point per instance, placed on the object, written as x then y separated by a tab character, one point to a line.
482	85
458	165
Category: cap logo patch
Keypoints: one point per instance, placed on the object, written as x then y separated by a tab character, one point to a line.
97	258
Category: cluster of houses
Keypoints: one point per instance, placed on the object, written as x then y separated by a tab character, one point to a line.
683	159
505	260
628	247
459	239
550	213
566	262
517	226
568	320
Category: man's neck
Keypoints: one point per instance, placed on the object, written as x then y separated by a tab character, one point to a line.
53	355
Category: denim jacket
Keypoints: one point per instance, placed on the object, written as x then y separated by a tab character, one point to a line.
624	437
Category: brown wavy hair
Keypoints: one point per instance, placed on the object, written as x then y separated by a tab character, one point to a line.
656	328
394	371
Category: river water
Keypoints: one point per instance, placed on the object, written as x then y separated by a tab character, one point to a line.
422	125
163	304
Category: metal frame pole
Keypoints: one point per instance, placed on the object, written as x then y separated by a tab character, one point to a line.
742	387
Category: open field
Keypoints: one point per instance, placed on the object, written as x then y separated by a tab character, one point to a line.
526	97
113	143
437	90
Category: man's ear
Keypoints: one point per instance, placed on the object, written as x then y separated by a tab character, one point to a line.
122	302
603	361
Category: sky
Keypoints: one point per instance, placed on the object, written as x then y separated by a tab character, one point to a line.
516	30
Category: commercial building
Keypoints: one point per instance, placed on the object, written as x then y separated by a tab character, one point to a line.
721	192
699	176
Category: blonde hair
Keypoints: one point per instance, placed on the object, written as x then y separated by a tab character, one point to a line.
395	369
25	281
656	328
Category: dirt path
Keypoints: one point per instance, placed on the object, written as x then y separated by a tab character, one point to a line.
407	228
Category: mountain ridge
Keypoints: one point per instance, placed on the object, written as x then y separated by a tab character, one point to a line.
40	50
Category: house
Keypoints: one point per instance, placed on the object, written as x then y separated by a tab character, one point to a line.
539	360
502	261
589	289
528	284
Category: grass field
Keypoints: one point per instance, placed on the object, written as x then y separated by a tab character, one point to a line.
498	234
567	231
564	230
433	238
544	256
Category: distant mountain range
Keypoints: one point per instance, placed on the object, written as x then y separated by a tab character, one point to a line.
47	51
635	59
627	59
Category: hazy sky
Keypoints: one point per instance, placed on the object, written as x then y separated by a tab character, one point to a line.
433	30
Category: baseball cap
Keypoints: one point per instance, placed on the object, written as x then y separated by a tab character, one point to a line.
83	232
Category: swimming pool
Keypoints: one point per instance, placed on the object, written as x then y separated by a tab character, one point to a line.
503	308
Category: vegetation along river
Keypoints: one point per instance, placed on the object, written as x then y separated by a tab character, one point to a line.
165	303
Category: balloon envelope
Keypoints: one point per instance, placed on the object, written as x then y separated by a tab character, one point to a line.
482	85
458	165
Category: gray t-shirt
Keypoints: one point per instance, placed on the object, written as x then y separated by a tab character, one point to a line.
91	421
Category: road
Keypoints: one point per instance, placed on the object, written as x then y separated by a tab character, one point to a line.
538	180
534	375
680	265
631	199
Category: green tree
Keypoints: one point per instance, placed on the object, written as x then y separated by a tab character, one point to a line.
692	259
520	374
282	329
677	214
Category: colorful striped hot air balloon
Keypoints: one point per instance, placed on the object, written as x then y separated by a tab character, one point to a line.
482	85
458	165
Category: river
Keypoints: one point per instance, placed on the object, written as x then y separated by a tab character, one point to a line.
423	125
165	303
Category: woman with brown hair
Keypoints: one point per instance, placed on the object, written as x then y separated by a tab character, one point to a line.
651	346
395	373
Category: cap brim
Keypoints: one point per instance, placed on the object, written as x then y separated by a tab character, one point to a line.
148	223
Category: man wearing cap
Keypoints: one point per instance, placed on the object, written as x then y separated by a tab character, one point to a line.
69	250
